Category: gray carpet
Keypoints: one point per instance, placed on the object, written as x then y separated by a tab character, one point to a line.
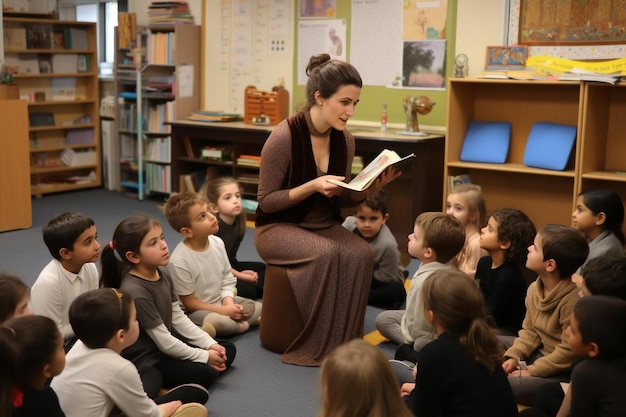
258	384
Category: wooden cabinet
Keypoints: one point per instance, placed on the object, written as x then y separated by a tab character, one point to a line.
546	196
58	76
603	149
163	88
15	200
417	190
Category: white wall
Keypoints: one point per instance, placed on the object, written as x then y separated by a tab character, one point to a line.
480	23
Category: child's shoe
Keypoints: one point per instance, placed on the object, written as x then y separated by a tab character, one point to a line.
191	410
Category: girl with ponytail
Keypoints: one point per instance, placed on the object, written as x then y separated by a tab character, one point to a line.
459	373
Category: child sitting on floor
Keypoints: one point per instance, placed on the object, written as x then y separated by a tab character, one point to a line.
387	288
201	272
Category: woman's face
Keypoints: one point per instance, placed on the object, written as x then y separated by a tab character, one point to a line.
339	108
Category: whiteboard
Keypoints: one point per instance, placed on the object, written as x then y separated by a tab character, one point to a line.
247	42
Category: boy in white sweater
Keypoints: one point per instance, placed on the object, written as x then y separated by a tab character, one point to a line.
96	377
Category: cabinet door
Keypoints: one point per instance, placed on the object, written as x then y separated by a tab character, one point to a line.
15	202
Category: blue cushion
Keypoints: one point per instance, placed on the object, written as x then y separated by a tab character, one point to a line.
486	142
549	145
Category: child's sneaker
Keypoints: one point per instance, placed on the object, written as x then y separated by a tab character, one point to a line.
191	410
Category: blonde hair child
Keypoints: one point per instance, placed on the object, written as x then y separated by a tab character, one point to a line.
466	203
357	381
225	203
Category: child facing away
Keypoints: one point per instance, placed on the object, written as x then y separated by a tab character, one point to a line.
506	237
466	203
224	197
459	373
170	350
436	239
599	216
72	239
201	272
387	288
357	381
14	296
597	334
31	352
540	353
97	378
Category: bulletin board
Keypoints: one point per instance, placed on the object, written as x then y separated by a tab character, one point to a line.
246	57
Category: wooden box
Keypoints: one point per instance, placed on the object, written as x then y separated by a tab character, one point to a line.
266	107
9	92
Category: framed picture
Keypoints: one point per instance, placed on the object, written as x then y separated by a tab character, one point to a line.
83	63
571	22
505	57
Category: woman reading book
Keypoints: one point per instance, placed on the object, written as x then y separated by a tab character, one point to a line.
298	221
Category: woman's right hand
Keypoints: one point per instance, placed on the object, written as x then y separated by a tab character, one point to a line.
327	189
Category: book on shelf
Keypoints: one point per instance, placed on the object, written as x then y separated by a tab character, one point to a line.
59	39
213	116
64	63
28	64
44	62
14	37
368	175
63	89
218	153
38	37
249	160
188	148
454	180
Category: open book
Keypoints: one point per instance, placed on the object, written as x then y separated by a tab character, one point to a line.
366	177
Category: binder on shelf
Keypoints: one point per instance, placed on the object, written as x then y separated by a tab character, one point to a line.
486	142
549	145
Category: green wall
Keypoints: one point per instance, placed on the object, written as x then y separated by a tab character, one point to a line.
372	97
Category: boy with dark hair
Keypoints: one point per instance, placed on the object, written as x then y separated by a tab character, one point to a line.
506	238
540	353
96	377
72	241
387	288
605	275
201	271
436	239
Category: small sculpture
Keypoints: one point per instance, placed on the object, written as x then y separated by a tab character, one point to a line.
414	105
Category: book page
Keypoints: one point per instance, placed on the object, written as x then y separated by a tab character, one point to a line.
367	176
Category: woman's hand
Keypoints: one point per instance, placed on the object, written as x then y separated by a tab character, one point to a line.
327	189
248	276
383	179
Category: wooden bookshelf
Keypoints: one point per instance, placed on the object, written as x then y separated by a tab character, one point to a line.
58	77
169	52
546	196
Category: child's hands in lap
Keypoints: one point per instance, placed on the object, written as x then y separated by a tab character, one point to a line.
217	357
249	276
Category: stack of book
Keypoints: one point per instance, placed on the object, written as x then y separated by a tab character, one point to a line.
213	116
165	13
249	160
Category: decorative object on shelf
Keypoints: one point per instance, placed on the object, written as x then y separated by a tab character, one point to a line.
549	145
486	142
266	107
461	66
412	106
505	57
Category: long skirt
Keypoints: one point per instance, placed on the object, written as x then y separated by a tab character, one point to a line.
330	271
